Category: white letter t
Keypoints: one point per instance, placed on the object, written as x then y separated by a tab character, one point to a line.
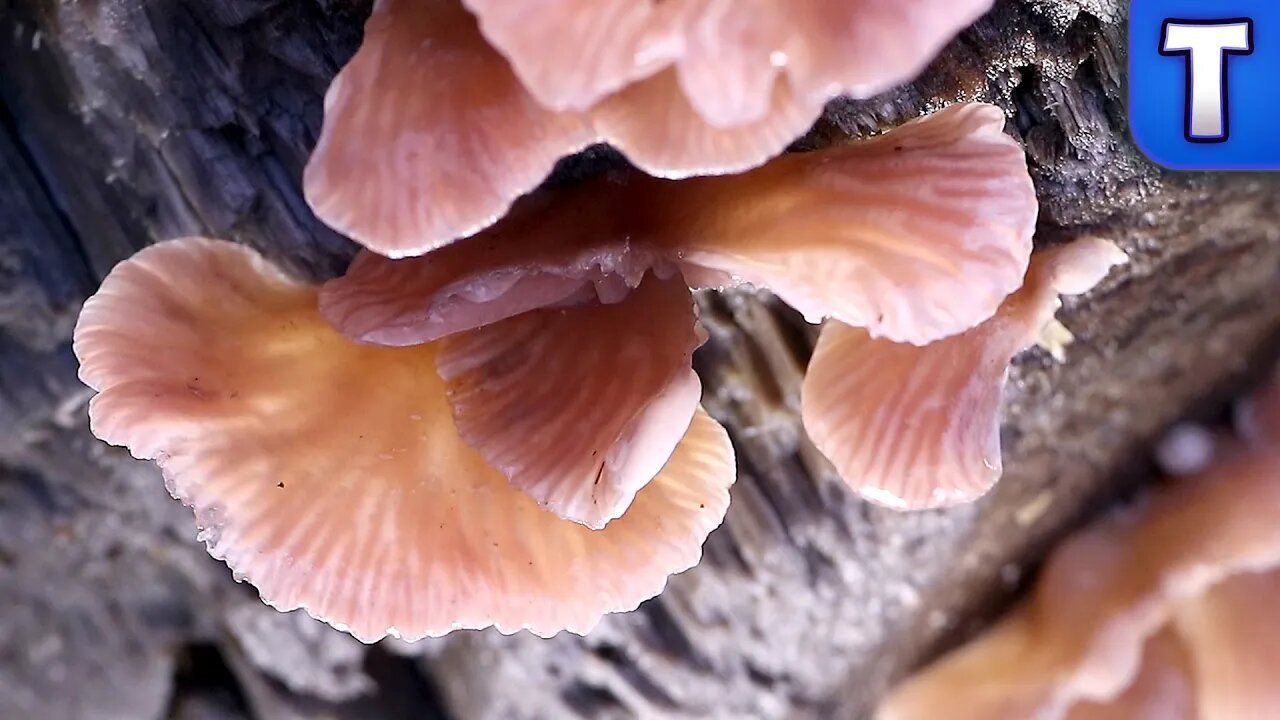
1206	45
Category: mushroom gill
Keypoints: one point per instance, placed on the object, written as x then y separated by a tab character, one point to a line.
331	475
579	407
429	135
1162	610
919	427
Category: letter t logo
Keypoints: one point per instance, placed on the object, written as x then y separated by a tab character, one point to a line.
1206	44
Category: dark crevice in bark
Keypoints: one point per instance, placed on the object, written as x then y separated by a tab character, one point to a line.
22	154
404	692
590	701
202	671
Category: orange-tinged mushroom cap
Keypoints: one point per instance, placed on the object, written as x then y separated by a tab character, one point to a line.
919	427
1104	593
545	253
330	474
579	407
427	134
917	234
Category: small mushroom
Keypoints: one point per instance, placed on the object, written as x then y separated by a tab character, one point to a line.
919	427
556	369
331	475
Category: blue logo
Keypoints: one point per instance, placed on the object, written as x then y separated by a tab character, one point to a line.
1204	83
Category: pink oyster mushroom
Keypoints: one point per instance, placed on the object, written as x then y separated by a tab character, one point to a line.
331	475
914	428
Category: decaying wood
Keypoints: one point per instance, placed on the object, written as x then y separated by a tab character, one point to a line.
127	121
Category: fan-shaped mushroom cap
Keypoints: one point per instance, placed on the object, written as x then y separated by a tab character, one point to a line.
919	427
1107	590
330	474
730	55
915	235
427	135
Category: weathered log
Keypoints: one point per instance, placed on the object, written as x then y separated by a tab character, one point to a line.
123	122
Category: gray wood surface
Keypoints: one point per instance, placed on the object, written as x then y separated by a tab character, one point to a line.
123	122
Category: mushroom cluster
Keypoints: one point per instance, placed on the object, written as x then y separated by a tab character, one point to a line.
492	417
1163	611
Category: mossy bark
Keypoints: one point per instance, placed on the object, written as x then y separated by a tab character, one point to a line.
123	122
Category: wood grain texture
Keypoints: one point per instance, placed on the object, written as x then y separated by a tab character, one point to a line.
123	122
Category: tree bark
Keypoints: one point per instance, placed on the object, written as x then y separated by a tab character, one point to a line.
125	122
